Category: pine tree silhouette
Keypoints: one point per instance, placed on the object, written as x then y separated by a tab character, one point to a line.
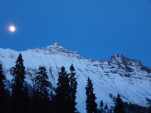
3	95
2	78
72	91
62	92
19	89
91	106
119	105
41	91
101	107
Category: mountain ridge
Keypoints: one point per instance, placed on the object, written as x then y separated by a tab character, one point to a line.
118	75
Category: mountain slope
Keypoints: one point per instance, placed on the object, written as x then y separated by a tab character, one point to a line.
128	77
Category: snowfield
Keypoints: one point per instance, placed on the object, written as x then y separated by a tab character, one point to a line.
118	75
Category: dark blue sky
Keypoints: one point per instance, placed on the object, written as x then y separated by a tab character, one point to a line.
95	28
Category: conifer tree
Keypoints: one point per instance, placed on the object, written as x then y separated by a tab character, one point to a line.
106	110
19	89
91	106
62	92
73	89
101	107
2	78
119	105
2	91
19	75
41	91
41	83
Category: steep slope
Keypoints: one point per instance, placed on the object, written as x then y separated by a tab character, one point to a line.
128	77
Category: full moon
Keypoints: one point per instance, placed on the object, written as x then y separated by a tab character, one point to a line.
12	28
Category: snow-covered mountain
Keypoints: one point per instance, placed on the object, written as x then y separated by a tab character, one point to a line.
118	75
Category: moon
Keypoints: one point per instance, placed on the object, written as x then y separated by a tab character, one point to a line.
12	28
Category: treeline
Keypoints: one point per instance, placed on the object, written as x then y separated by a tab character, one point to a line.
42	97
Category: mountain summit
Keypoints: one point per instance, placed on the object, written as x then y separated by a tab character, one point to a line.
118	75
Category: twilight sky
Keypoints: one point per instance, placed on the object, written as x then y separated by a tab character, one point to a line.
95	28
